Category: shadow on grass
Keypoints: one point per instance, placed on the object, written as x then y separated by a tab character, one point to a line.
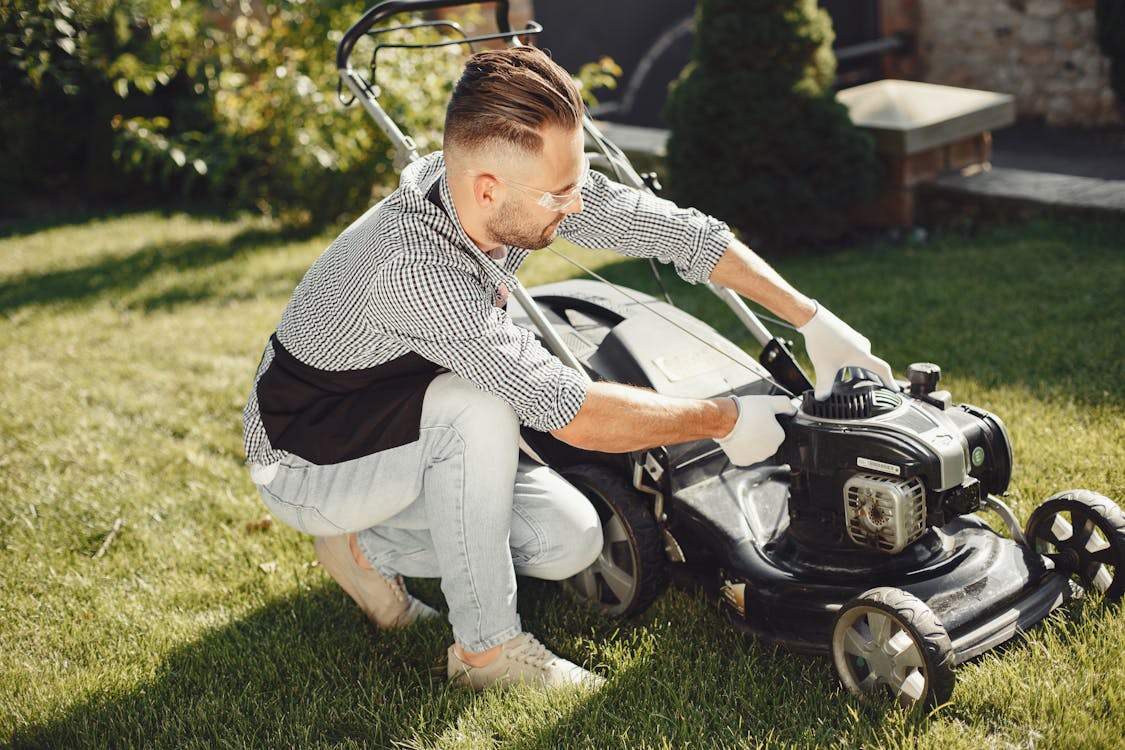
308	670
123	274
302	671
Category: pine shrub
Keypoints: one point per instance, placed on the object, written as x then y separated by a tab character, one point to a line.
757	136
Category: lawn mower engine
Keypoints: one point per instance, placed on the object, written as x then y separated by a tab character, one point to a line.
879	521
873	468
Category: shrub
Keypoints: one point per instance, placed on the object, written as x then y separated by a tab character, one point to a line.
67	69
757	137
232	101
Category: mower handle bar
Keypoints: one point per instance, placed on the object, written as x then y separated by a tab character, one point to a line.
390	8
367	92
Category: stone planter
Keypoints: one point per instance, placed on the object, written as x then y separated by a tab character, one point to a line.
922	131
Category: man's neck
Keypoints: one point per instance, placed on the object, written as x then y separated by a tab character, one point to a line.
469	219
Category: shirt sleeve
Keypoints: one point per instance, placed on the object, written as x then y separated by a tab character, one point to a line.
439	310
638	224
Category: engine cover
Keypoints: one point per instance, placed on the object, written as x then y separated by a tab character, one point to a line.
873	467
884	513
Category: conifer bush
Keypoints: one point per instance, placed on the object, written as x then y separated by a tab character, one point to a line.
757	136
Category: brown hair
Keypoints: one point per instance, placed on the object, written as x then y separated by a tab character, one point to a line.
507	96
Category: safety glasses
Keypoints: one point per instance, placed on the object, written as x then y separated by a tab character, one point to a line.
554	201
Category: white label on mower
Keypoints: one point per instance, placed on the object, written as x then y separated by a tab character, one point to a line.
870	463
690	363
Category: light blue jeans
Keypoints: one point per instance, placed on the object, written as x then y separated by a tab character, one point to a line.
460	503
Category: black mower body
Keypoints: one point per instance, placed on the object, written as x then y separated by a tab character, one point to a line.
772	540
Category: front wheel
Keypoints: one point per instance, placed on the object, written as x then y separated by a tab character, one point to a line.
629	573
1083	533
887	639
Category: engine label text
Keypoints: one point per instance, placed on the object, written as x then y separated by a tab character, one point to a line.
870	463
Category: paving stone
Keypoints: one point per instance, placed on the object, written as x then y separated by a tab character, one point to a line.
1056	190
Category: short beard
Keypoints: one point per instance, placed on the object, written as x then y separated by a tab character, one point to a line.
506	228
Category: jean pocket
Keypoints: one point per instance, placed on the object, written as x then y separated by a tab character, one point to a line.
300	517
312	521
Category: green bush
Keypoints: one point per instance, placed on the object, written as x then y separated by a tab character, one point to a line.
757	137
1110	15
235	102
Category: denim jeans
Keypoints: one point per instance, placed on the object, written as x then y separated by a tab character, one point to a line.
460	503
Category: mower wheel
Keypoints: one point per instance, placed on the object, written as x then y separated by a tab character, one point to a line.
629	573
1084	534
888	639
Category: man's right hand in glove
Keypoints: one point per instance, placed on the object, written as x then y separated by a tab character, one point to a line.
616	418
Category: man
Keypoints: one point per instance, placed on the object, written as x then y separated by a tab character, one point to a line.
386	413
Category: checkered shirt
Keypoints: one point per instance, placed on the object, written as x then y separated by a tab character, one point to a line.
405	277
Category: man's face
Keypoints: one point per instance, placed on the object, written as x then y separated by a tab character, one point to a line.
519	219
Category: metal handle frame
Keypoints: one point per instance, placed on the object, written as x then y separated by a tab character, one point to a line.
608	155
390	8
366	90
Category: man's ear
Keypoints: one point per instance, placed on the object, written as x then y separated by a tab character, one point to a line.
485	193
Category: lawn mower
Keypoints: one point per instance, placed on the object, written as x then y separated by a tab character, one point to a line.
860	539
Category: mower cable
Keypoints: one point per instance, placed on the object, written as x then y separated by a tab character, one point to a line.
621	290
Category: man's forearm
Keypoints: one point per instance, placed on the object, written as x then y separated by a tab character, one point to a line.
618	418
742	270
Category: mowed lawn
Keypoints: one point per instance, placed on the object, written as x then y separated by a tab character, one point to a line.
147	600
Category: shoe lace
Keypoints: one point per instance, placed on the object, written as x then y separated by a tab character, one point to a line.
398	588
530	651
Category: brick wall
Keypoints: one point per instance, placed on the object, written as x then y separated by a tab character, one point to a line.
1043	52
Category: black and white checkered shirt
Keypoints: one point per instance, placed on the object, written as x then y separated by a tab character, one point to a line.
405	277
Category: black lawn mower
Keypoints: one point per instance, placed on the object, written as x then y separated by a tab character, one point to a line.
860	539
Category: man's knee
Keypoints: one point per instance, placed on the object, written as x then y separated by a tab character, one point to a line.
582	545
454	401
589	543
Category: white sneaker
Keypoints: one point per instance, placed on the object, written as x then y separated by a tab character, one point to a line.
385	601
522	659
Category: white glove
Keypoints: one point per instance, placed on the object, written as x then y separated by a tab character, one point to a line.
756	434
832	345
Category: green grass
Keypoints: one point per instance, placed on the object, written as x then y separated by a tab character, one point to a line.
128	345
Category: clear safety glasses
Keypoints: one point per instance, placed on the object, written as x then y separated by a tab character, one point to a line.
554	201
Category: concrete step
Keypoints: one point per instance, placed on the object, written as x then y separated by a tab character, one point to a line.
1004	193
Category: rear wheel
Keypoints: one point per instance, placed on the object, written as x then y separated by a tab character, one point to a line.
888	640
1084	534
629	573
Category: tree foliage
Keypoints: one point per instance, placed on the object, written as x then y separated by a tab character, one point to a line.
757	137
234	101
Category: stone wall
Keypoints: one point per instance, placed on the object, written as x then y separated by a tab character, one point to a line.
1043	52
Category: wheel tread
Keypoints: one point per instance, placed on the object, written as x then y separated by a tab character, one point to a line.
1112	525
931	633
645	536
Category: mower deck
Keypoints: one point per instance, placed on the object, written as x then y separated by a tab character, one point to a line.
983	587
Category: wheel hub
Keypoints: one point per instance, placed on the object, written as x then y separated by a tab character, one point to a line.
1069	558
